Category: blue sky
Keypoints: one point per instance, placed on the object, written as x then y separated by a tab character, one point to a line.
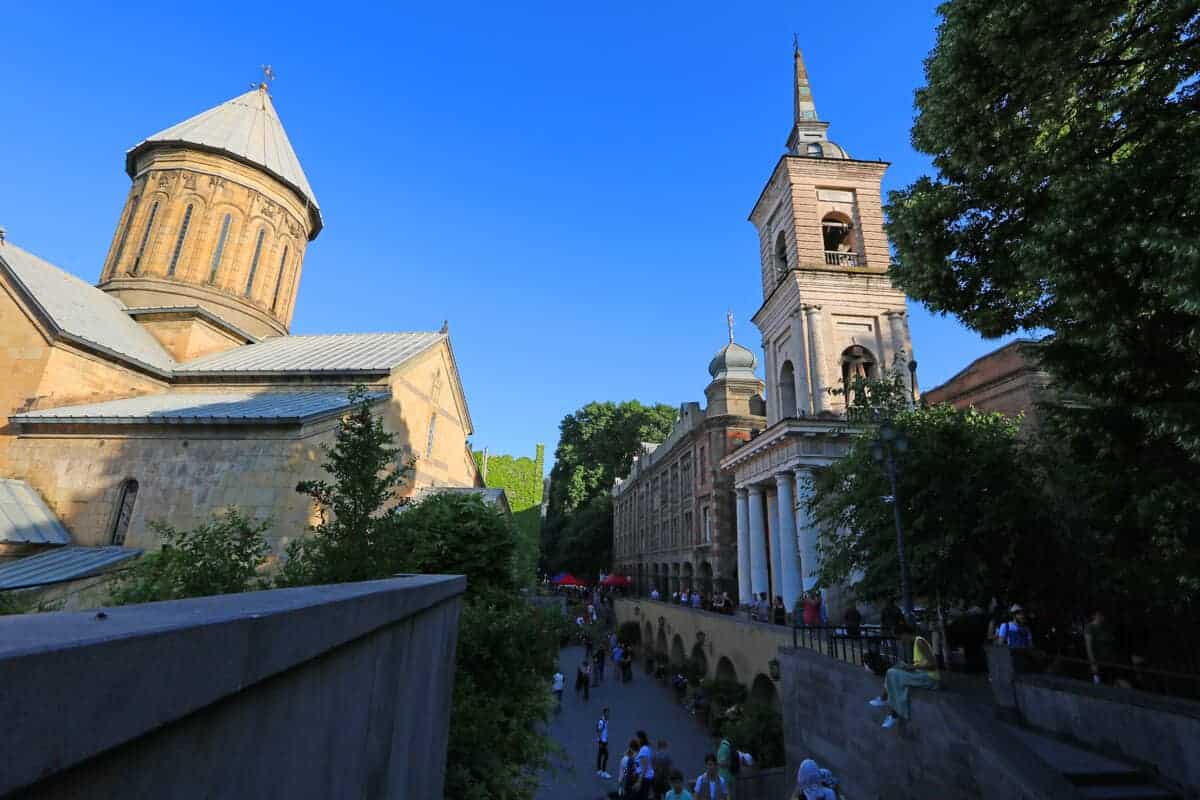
567	184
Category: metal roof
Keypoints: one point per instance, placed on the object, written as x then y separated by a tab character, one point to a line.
62	564
83	312
25	518
337	352
201	408
246	128
195	311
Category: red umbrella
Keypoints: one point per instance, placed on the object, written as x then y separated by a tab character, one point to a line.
569	580
616	580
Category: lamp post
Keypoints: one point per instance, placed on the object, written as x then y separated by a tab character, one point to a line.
887	444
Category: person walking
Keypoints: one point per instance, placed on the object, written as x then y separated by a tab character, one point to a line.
645	766
1017	637
579	679
627	775
779	612
662	767
710	785
558	688
812	608
587	680
599	660
1100	644
602	746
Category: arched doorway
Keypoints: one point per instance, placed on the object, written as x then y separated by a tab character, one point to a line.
726	671
699	659
764	692
787	390
706	579
678	654
674	578
687	577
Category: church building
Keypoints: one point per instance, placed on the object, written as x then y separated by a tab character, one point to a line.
829	313
173	388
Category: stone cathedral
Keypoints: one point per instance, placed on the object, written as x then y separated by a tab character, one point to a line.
173	389
829	313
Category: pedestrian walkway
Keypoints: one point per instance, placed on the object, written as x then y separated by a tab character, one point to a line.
640	704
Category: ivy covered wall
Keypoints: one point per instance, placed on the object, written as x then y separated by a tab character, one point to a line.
521	479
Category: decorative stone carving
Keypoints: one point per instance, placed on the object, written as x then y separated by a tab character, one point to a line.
268	208
216	182
189	180
164	180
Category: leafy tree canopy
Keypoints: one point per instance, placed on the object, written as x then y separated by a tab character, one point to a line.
522	480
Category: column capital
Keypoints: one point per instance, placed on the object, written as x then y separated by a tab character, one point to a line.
783	474
741	490
811	308
895	312
803	469
754	488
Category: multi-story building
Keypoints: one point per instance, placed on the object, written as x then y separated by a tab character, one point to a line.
829	313
674	524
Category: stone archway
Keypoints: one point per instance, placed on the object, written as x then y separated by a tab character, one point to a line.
687	577
700	659
763	691
706	579
678	654
726	671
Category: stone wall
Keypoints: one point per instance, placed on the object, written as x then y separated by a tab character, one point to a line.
951	748
330	691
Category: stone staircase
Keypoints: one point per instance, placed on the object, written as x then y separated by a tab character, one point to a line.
1097	777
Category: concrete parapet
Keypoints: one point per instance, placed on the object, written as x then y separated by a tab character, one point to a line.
324	691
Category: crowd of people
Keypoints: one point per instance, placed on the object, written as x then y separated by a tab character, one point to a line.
718	602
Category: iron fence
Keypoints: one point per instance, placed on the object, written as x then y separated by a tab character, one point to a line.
866	646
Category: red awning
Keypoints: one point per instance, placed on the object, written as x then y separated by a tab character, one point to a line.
616	580
569	580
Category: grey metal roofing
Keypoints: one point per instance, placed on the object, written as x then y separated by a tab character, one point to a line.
25	518
246	128
83	312
336	352
197	311
62	564
201	408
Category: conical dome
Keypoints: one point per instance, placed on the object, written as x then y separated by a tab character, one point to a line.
731	362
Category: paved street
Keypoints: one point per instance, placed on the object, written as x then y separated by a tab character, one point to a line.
639	704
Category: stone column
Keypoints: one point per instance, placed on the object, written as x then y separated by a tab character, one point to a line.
758	542
791	584
816	360
800	365
810	562
773	538
743	546
896	328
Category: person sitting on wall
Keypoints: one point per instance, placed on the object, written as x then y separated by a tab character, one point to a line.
921	674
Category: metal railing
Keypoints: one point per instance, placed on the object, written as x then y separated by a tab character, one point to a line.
839	258
847	645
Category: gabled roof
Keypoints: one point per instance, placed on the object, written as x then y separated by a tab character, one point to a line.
63	564
202	408
81	312
25	518
335	352
246	128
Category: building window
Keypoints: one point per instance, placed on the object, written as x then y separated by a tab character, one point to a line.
254	261
706	524
787	391
125	502
429	439
183	229
815	150
216	262
702	465
836	231
781	263
857	362
137	262
116	262
279	278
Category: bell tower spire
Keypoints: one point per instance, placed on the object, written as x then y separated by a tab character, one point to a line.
804	109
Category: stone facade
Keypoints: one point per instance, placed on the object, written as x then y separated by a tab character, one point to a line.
673	516
829	315
1008	380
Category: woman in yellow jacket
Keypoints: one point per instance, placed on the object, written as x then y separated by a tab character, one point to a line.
921	674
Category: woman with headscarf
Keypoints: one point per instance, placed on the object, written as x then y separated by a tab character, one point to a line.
814	783
921	674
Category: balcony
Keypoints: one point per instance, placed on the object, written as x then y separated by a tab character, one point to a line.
842	259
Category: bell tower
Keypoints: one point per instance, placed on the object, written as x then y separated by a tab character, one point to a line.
829	311
218	218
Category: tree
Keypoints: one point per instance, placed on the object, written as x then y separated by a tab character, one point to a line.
973	520
596	445
222	556
1064	135
522	480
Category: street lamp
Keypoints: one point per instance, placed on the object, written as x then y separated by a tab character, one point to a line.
884	448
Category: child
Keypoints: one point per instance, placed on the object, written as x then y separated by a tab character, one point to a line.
677	792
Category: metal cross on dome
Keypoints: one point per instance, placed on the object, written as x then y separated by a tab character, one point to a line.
268	72
729	320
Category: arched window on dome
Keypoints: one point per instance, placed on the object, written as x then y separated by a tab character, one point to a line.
815	150
137	261
787	391
857	362
279	278
183	229
262	232
781	262
124	511
220	249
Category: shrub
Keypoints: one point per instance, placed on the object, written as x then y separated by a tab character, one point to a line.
630	631
758	730
222	556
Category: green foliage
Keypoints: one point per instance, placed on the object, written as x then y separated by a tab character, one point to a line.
522	481
596	445
974	522
221	556
724	693
630	632
1064	136
758	730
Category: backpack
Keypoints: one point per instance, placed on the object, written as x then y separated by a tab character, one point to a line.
735	759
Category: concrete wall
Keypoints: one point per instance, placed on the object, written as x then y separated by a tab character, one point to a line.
331	691
951	748
1161	733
